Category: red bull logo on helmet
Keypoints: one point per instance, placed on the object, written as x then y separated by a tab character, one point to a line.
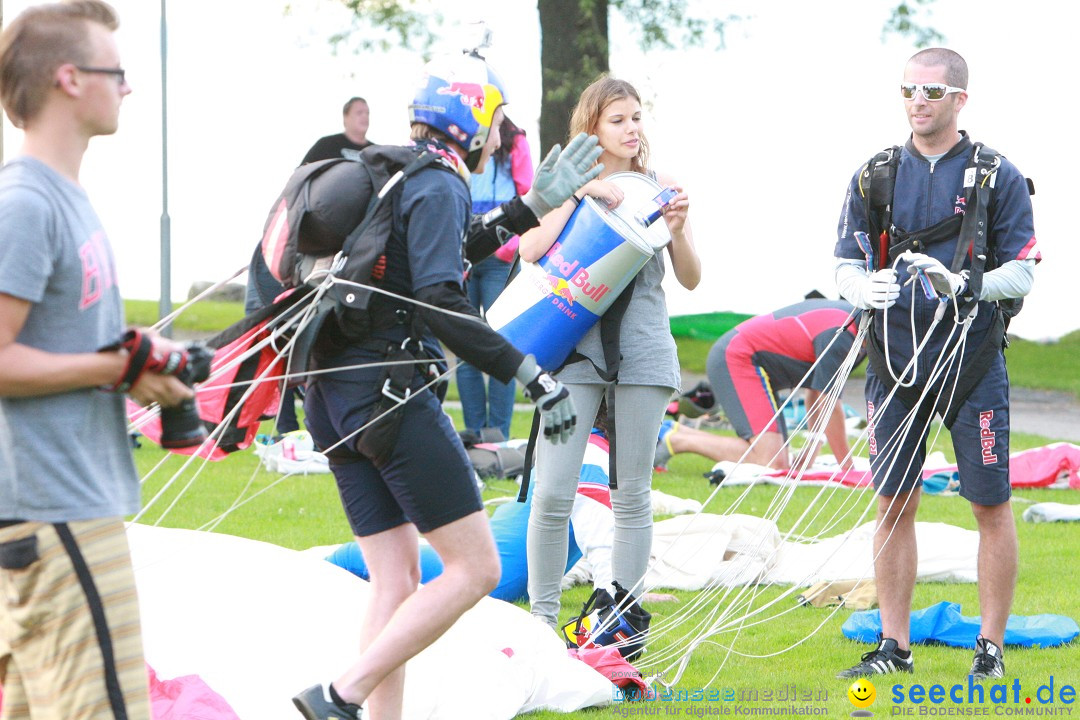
577	276
471	94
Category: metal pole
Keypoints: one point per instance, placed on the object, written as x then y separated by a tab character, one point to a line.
165	305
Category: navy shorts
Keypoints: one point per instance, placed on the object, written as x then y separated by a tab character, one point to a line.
980	436
428	480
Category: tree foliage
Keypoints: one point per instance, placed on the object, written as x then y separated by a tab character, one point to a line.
574	38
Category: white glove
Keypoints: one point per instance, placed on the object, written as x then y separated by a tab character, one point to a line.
877	291
552	400
943	281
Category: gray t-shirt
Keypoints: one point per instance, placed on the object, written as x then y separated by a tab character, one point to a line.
648	351
72	452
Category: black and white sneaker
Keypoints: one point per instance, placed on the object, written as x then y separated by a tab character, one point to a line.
315	703
881	661
988	662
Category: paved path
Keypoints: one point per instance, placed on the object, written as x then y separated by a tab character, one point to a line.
1054	415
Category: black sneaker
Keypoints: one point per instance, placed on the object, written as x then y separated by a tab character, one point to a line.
882	661
315	704
988	661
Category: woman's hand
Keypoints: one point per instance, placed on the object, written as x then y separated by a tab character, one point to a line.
675	212
684	258
607	193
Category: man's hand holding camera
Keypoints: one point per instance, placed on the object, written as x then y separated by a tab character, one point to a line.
151	369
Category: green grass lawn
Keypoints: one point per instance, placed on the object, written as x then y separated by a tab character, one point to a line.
788	651
304	511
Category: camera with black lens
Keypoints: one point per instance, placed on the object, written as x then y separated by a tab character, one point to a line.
181	426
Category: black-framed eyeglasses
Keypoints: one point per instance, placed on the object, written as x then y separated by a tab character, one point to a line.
118	73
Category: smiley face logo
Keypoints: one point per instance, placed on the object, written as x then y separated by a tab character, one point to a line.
862	693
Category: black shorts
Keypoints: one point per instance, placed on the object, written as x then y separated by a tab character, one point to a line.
980	437
428	480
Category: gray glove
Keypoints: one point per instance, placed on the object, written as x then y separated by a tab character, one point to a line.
551	398
562	173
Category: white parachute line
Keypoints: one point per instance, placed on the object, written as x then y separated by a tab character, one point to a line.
164	459
213	288
941	367
909	421
209	527
844	369
238	503
382	291
324	371
210	445
342	440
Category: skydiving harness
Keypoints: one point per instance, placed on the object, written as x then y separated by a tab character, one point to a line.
877	181
348	315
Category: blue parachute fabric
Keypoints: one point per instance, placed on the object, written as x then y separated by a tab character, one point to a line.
943	623
509	525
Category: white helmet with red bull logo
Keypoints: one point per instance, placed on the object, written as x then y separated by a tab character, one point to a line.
458	95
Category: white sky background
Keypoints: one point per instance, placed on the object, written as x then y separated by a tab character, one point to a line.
765	134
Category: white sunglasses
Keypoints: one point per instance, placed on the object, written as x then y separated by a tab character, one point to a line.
930	91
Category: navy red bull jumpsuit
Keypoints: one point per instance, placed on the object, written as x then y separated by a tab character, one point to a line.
924	195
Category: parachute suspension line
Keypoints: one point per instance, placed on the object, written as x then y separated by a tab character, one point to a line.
382	291
212	525
214	439
845	370
164	459
940	369
163	322
434	381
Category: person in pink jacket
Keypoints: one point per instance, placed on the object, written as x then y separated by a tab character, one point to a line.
488	403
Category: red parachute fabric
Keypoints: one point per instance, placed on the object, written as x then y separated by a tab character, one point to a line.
234	371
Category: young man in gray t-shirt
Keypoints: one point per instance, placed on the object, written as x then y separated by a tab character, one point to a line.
70	645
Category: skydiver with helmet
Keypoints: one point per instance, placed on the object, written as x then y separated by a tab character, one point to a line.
409	472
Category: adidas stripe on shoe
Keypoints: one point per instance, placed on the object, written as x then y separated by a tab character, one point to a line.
881	661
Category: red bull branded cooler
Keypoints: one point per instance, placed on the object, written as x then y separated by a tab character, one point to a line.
547	309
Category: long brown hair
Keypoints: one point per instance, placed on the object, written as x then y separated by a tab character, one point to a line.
594	99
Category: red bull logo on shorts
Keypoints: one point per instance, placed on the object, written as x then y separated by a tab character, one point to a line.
987	437
871	441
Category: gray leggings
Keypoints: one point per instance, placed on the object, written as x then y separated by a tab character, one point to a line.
639	412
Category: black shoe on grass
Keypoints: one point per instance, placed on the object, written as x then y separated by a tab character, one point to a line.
881	661
315	704
988	662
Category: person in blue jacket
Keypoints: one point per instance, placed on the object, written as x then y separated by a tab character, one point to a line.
943	196
408	472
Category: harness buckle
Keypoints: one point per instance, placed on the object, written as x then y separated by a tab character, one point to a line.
388	390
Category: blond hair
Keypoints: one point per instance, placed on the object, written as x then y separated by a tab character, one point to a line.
594	99
37	42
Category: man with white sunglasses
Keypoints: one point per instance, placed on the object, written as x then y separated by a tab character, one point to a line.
955	217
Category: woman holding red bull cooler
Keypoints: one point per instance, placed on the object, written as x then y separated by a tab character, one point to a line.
648	372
